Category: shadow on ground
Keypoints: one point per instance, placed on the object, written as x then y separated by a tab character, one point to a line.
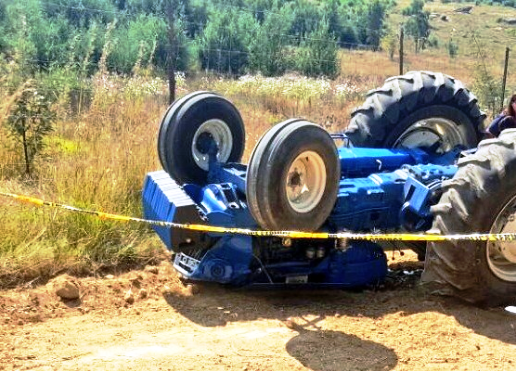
320	349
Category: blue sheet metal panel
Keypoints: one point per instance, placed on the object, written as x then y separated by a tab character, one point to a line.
228	261
361	162
369	203
163	199
156	205
364	263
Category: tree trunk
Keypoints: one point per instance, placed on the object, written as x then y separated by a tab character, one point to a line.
26	152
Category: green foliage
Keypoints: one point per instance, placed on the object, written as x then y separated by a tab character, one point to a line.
81	13
433	41
225	42
418	25
389	43
29	121
375	16
485	85
487	88
318	53
306	17
229	36
135	40
453	48
268	48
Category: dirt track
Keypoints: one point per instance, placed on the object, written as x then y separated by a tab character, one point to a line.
169	327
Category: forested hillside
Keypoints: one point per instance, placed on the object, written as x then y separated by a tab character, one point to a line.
228	36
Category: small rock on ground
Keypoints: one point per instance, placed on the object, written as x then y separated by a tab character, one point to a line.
129	297
66	287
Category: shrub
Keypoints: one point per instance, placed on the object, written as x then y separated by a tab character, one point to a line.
29	121
318	53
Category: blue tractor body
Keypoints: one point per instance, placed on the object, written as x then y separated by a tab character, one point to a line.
412	159
379	189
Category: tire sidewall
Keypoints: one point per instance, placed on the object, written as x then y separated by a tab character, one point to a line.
494	286
464	124
285	151
482	187
180	135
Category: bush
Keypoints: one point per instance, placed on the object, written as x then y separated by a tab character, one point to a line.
453	48
267	49
135	40
318	53
225	41
433	41
30	120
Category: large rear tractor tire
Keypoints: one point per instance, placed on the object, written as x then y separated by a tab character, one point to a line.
418	109
187	129
293	177
480	198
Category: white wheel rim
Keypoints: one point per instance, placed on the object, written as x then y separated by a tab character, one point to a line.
306	182
221	134
427	132
501	255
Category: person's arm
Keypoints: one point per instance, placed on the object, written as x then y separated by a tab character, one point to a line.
508	122
493	130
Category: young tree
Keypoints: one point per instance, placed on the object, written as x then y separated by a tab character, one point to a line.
267	49
224	46
418	25
306	17
375	23
318	53
29	121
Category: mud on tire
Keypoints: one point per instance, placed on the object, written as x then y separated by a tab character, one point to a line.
480	198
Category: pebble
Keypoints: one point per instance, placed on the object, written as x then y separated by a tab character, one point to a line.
129	297
66	287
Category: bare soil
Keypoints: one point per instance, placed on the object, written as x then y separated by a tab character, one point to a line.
149	320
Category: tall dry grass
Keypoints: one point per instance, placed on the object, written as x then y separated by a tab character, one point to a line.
97	160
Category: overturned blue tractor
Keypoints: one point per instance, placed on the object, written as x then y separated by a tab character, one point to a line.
410	160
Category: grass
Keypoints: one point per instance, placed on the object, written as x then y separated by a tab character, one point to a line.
98	155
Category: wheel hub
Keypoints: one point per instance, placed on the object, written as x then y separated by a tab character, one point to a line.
501	255
306	180
214	130
440	134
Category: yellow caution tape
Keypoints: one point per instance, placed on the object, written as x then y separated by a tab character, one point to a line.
283	234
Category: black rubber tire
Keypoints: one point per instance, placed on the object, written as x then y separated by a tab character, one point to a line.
404	100
482	186
178	128
268	170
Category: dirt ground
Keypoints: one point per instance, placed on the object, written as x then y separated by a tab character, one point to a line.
149	320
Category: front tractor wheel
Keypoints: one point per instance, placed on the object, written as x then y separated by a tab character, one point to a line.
481	198
190	127
293	177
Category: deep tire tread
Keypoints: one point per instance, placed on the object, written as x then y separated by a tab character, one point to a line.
402	95
471	200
